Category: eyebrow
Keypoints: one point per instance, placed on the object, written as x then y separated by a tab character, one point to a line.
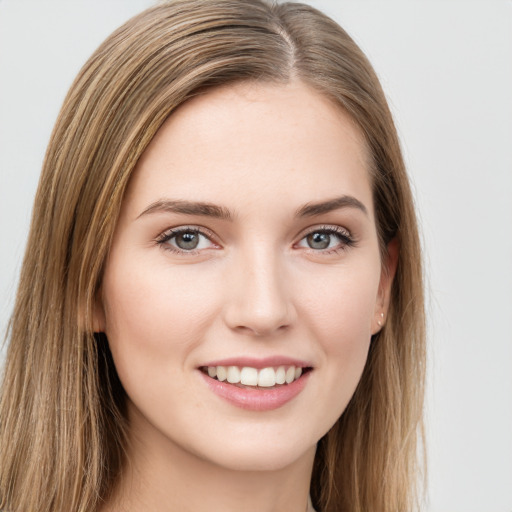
312	209
220	212
188	208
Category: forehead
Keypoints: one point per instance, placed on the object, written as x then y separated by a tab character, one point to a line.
254	141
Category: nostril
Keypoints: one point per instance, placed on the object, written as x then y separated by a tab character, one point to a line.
260	331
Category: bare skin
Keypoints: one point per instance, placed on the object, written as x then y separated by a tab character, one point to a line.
282	262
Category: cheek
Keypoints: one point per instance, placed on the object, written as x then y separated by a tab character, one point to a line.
340	315
154	321
341	303
153	315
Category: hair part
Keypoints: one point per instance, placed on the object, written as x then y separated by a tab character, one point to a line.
62	419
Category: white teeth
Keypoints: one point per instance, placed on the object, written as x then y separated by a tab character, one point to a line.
233	375
221	373
281	375
267	377
248	376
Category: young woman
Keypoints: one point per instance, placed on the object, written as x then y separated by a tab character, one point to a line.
221	304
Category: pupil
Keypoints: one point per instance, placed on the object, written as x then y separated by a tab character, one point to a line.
188	240
319	240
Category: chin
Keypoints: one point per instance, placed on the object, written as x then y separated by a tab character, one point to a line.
262	453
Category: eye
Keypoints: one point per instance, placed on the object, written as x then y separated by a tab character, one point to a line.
185	240
327	239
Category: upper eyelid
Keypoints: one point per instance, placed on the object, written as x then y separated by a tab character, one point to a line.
333	228
180	229
214	238
345	237
163	240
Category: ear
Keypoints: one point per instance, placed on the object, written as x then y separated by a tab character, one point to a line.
388	271
98	314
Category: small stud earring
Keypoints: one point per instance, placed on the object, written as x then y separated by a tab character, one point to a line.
381	319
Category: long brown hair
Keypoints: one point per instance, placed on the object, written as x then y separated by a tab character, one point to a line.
62	426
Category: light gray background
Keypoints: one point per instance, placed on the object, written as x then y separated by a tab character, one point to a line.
447	69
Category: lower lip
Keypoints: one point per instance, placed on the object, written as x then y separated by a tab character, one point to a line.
257	399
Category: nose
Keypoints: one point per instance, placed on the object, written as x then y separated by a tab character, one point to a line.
260	302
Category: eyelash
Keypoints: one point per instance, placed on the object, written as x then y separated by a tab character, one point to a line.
168	235
345	239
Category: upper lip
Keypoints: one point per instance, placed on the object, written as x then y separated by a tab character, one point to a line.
255	362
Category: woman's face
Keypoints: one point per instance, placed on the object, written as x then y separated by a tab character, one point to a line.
246	248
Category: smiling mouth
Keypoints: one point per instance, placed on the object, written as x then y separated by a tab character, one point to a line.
263	378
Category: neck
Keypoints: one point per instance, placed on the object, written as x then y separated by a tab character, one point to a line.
166	477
